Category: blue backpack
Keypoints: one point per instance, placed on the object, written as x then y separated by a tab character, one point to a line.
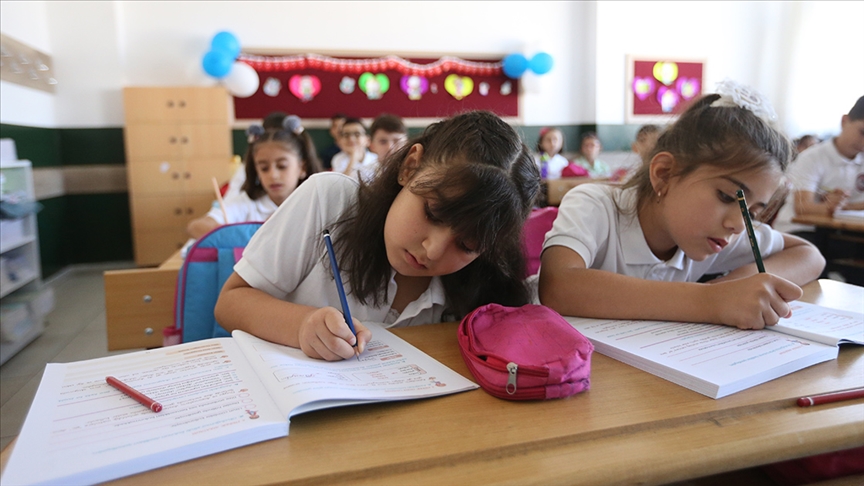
208	264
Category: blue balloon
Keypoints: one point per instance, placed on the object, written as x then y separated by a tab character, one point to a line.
541	63
225	41
217	63
514	65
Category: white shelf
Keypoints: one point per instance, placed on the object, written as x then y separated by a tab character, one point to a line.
20	254
16	244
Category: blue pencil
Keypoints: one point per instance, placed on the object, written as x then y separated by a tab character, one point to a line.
342	298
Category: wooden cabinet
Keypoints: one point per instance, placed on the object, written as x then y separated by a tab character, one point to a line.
177	140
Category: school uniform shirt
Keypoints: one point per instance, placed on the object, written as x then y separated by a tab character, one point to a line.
551	169
821	168
590	224
365	169
240	209
287	258
600	170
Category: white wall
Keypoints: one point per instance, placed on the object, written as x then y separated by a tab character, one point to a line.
26	22
804	56
800	54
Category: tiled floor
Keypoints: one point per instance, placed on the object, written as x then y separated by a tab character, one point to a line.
74	330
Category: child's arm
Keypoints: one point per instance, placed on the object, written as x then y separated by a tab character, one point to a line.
320	332
799	262
568	287
806	202
201	226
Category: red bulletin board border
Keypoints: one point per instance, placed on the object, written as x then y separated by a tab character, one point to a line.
435	102
651	82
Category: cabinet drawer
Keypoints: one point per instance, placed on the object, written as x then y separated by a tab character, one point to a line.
157	177
192	104
152	247
174	141
160	212
138	305
202	171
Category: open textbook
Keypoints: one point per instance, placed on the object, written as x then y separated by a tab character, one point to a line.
720	360
217	394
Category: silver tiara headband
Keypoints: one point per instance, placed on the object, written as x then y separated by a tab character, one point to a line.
733	94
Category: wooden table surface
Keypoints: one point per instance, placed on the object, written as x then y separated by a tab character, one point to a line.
830	223
629	427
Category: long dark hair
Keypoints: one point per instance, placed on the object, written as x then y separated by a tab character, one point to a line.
496	182
293	137
729	137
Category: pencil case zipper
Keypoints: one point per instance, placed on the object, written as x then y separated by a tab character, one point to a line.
513	386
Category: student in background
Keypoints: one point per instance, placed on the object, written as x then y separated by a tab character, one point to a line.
387	134
336	122
273	121
637	251
804	142
828	176
435	235
646	140
589	149
355	159
549	160
276	162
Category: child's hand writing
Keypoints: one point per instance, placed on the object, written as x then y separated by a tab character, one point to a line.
753	302
325	335
835	199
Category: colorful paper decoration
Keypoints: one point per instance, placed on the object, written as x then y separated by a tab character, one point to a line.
506	88
668	99
688	87
304	87
483	89
356	66
666	72
414	86
347	85
458	86
272	87
374	85
643	87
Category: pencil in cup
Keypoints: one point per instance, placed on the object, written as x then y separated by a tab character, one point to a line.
757	255
340	288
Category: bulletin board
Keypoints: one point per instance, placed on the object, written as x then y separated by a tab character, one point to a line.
317	86
658	89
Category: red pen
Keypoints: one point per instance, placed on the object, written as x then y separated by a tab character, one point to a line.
831	397
134	394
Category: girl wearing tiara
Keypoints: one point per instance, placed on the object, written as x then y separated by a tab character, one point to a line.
638	251
276	162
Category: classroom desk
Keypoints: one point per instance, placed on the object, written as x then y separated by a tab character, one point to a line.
629	427
556	188
139	303
841	242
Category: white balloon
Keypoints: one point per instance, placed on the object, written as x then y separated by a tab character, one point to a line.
242	81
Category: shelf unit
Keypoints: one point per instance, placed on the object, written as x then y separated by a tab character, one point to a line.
23	301
177	139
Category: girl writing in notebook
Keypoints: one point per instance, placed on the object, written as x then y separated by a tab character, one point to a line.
638	251
435	234
276	162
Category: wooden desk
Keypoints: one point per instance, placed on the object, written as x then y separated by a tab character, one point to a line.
556	188
630	427
841	242
139	303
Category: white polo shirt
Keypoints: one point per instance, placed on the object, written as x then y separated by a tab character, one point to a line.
365	169
821	168
241	209
288	260
554	165
590	224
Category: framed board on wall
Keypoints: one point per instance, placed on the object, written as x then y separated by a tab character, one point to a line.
317	86
657	89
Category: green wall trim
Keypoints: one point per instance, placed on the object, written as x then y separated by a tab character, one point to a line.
41	146
92	146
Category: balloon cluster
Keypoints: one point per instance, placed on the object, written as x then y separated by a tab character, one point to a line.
239	78
515	65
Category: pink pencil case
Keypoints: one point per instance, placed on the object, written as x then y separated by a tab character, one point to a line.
525	353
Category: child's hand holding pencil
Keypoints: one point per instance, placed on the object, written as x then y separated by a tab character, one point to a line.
324	334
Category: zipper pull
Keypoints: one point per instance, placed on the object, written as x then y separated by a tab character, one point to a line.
512	368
